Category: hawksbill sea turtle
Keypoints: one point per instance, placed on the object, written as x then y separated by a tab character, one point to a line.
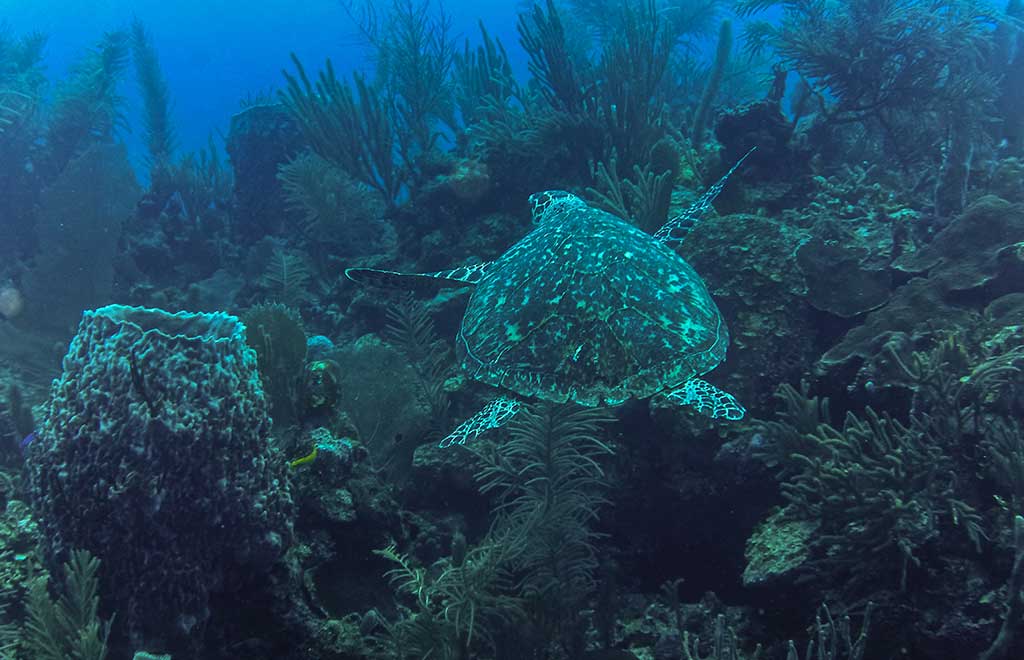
585	308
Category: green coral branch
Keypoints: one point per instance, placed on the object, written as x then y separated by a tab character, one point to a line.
69	627
348	125
482	74
877	486
87	106
156	98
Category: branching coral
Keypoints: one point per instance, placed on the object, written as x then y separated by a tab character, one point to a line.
337	209
482	76
69	627
547	481
629	101
378	131
908	68
685	17
87	106
1001	647
414	52
160	138
203	179
643	199
522	588
791	433
287	277
458	610
20	80
878	489
410	329
563	78
714	81
347	124
882	490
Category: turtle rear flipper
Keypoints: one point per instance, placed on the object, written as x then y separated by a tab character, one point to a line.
707	399
392	279
494	414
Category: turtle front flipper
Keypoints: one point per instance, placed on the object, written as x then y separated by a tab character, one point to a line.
392	279
674	232
494	414
707	399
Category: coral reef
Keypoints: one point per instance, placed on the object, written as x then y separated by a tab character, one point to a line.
254	487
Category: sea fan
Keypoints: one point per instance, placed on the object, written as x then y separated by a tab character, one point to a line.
287	277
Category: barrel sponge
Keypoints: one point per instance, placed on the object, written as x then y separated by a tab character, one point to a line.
155	455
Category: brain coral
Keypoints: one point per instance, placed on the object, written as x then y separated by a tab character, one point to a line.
155	455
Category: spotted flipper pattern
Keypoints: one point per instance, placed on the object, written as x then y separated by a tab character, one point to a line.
674	232
707	399
392	279
496	413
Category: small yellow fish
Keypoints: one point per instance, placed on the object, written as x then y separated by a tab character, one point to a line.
308	458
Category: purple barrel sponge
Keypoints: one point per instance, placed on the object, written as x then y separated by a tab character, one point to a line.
155	455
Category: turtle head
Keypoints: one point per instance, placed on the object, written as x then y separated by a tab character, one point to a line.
542	202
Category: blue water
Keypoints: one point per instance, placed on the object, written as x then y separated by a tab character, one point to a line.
215	53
